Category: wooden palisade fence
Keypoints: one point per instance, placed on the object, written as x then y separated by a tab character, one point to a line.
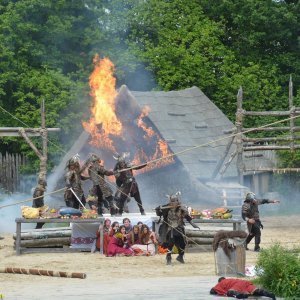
287	142
10	165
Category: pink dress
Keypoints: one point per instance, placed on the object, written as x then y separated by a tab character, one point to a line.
115	246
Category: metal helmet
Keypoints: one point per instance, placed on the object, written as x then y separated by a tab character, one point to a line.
122	157
94	158
174	198
250	196
73	161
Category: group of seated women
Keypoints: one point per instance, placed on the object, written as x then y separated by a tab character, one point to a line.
124	240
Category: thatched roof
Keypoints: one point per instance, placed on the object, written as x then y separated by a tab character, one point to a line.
185	119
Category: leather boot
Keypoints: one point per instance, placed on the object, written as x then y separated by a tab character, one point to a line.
180	258
261	292
169	259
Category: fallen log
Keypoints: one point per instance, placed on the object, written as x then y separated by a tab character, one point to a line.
50	242
42	272
44	234
200	241
200	233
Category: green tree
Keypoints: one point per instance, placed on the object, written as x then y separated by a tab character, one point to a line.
183	47
179	44
46	53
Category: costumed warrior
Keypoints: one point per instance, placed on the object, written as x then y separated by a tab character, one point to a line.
100	188
172	231
39	192
73	179
126	183
250	214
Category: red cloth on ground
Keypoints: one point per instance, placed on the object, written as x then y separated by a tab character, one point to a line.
238	285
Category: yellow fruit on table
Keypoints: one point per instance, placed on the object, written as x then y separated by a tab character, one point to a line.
227	216
219	210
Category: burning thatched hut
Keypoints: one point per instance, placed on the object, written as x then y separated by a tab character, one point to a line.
183	126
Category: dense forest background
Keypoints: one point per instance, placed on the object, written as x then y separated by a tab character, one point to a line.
47	48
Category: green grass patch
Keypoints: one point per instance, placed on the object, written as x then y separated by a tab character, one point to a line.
278	270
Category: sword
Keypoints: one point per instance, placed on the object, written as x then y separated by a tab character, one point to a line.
77	197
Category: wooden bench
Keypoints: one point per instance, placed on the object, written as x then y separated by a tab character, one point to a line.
236	223
20	221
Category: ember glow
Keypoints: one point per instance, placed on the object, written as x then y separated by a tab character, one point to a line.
107	129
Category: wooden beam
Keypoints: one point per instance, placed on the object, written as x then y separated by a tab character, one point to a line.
267	113
14	131
238	139
270	147
293	113
276	170
30	143
222	159
271	139
297	128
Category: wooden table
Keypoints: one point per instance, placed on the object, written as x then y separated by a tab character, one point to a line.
236	223
20	221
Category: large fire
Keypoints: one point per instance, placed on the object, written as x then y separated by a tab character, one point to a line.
104	121
107	128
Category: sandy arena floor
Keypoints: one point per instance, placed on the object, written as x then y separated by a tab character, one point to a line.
127	277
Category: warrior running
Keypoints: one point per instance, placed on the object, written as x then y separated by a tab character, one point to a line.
172	229
250	214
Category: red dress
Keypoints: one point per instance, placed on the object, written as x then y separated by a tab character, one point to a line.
116	246
238	285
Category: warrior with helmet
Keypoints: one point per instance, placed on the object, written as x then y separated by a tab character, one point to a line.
101	189
126	183
39	194
73	179
250	214
172	229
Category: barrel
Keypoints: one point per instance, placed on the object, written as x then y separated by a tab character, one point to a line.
233	265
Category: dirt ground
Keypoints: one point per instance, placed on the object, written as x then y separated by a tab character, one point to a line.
109	276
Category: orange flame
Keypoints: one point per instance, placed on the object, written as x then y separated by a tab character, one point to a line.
104	123
161	150
104	120
149	132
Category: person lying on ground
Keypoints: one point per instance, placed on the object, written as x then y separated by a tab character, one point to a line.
238	288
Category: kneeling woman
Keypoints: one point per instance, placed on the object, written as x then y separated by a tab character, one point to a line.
118	244
147	241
